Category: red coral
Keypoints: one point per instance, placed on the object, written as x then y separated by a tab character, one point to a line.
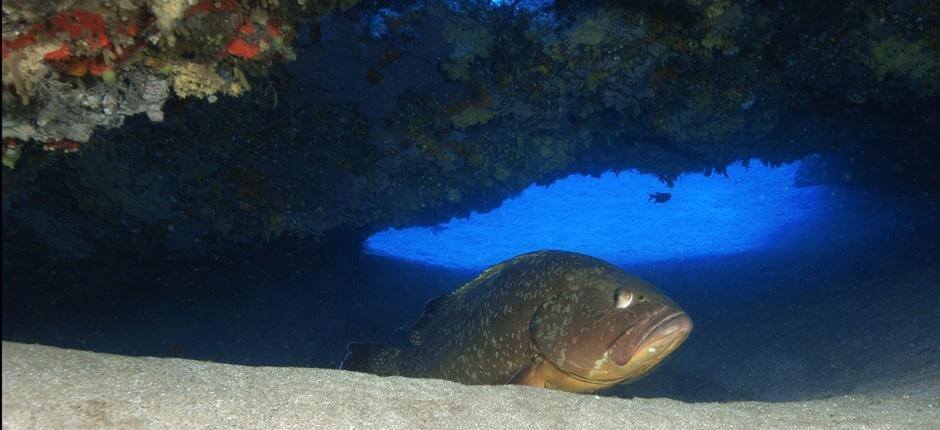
80	23
131	30
246	28
76	68
97	68
273	28
20	42
64	145
241	48
79	67
61	54
249	38
99	40
84	38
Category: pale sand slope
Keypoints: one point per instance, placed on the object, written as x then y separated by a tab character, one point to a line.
45	387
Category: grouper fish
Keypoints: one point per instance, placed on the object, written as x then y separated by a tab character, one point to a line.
549	319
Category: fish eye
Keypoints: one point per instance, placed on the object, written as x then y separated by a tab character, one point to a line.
623	298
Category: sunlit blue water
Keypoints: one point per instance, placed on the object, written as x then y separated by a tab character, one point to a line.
612	218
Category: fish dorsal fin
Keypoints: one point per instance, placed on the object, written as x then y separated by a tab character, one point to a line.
431	309
438	305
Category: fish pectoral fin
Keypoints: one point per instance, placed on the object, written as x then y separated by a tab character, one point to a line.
371	358
432	308
529	374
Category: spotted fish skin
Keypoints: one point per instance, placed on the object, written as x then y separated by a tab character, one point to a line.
547	306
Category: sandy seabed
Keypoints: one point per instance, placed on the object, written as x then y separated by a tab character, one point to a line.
46	387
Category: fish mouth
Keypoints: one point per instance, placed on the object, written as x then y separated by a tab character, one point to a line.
659	339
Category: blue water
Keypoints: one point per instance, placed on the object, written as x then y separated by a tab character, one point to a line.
611	217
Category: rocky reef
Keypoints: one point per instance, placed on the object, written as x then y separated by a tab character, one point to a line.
332	119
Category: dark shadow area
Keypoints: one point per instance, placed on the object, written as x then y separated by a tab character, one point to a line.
263	312
786	327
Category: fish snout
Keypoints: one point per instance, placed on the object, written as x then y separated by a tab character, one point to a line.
659	341
677	326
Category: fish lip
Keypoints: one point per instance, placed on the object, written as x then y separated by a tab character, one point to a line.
625	346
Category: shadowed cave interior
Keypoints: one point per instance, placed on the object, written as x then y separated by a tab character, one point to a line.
263	182
796	292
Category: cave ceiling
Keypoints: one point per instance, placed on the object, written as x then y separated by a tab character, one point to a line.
186	127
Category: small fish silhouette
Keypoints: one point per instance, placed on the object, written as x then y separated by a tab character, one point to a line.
660	197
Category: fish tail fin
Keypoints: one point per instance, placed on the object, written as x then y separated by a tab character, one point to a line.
371	358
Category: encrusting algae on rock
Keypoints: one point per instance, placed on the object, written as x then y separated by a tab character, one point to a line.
444	107
75	47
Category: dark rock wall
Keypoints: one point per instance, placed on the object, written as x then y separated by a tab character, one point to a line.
402	113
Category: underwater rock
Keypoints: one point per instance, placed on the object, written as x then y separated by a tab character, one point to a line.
548	319
435	110
73	114
74	51
817	169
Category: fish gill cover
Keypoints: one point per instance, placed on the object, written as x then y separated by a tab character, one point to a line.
751	208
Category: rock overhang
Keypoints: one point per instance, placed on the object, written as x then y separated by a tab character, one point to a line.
368	115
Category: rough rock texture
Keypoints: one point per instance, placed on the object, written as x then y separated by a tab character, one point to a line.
401	113
59	57
74	113
47	387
